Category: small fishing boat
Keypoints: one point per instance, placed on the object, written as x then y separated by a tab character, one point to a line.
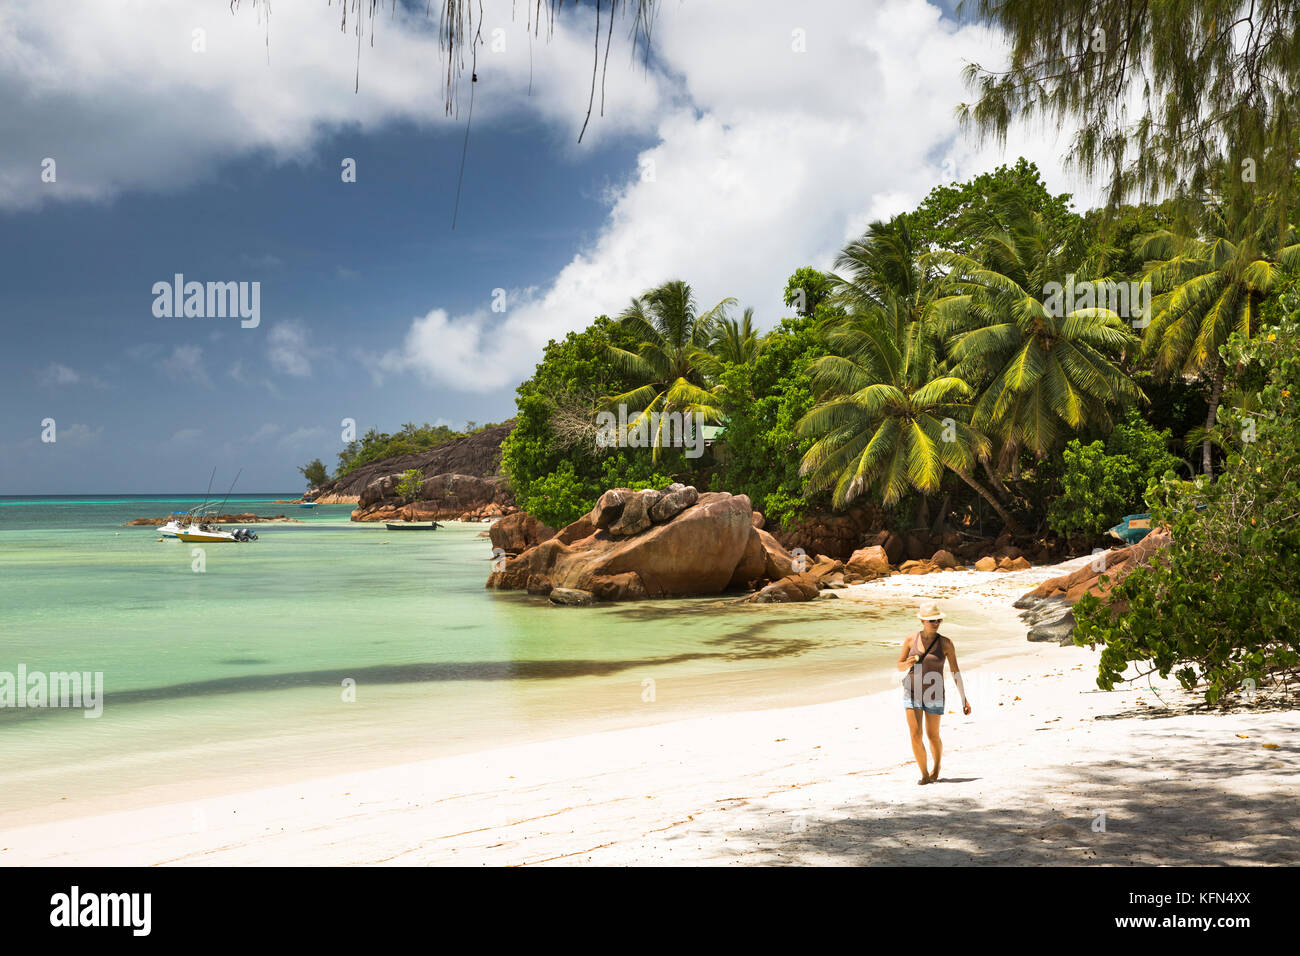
306	503
1132	528
199	531
204	533
411	526
176	522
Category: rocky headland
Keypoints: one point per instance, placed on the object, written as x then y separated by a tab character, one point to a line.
462	481
678	541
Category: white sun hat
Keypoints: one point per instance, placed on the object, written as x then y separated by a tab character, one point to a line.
930	612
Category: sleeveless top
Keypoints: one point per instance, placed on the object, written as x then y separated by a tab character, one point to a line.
932	663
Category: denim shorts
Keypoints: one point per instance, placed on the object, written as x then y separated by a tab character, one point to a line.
931	706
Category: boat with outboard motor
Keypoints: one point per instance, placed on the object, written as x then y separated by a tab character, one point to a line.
199	530
205	533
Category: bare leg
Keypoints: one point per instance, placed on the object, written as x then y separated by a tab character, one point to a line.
936	745
918	748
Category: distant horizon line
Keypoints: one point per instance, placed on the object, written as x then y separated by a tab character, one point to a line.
146	494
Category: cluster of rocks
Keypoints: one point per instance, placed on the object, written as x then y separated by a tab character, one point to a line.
888	552
1048	608
245	518
678	541
836	535
441	497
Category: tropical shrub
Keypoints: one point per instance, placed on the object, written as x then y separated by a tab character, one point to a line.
315	473
551	458
1101	482
560	497
1220	609
764	400
408	483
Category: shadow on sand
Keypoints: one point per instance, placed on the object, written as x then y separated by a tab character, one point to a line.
1159	810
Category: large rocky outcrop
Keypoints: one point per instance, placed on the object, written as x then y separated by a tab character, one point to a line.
478	455
440	497
1047	608
650	543
678	541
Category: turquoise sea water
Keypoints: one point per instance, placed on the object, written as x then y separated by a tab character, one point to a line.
235	676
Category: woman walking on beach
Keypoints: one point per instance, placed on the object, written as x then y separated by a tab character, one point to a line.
923	657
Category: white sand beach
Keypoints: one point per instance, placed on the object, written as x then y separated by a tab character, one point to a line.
1046	770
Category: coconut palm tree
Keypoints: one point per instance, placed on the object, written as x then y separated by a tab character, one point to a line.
735	341
884	290
883	271
885	419
672	359
1209	285
1043	366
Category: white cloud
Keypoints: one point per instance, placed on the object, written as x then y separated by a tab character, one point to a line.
772	161
185	365
301	436
144	351
264	433
186	436
79	435
265	261
117	97
287	349
57	374
765	159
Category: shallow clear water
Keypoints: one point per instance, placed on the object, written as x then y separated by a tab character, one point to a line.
235	676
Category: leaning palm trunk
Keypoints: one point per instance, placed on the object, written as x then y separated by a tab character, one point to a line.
1216	394
1009	522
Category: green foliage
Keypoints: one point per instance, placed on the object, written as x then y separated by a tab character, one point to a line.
1157	93
635	471
560	497
951	217
1115	236
375	445
551	458
315	473
675	363
408	484
563	496
1220	609
765	400
1096	490
1044	368
569	382
1211	280
806	289
1101	483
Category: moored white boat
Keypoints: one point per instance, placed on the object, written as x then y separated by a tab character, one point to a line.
177	522
197	533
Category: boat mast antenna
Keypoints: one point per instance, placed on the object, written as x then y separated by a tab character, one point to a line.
232	488
209	491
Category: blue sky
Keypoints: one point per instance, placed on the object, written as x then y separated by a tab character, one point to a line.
345	266
758	141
